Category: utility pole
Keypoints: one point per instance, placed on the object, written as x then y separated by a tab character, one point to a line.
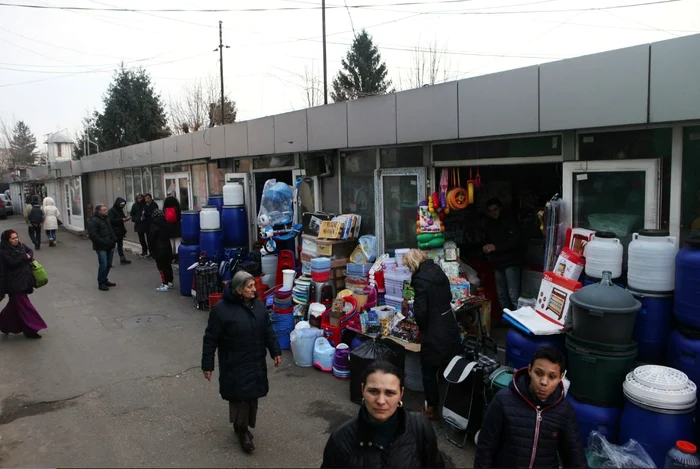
325	63
221	64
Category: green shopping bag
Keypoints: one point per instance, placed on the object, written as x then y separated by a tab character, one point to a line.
40	276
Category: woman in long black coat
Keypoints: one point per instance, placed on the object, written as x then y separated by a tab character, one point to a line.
241	329
438	327
161	250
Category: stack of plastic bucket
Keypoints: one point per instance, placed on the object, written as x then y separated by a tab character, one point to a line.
283	317
320	269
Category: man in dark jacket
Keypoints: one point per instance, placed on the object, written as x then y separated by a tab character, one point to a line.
103	241
117	219
504	250
531	424
137	216
149	206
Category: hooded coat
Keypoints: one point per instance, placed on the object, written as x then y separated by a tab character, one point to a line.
521	431
432	309
241	332
51	214
174	229
159	237
15	269
116	216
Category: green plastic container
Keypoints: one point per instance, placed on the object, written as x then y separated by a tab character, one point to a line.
597	371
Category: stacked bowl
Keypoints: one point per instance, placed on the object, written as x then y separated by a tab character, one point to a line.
320	269
283	317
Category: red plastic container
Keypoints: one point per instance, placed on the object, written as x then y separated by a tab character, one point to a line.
320	276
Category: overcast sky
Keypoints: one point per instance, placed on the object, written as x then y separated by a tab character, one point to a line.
55	64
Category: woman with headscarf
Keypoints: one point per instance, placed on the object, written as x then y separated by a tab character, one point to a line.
161	250
17	281
240	329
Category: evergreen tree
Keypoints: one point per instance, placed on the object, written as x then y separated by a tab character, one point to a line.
230	112
133	112
363	73
22	145
89	130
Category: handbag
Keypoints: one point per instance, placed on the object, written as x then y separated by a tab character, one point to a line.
58	220
40	276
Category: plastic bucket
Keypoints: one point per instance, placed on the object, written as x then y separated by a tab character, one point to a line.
320	276
213	299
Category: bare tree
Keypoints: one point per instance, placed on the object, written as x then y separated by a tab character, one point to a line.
313	87
429	65
6	132
199	107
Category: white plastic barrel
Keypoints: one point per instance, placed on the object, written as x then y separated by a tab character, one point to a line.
233	194
603	252
651	263
209	218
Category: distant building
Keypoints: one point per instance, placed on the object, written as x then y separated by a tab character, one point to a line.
60	147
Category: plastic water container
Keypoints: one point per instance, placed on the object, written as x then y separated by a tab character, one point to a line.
187	255
603	252
302	343
520	347
605	420
217	201
651	263
683	455
212	242
683	352
234	223
687	294
233	194
652	326
190	227
209	218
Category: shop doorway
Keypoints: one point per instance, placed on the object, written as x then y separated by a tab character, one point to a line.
179	183
397	195
307	193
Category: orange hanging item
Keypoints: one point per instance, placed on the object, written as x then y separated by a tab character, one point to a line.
458	198
470	187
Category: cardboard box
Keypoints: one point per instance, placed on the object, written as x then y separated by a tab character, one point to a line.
554	298
327	248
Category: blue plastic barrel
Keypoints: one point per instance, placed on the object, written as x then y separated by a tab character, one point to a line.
652	326
190	227
520	347
212	242
234	223
217	201
687	293
187	254
605	420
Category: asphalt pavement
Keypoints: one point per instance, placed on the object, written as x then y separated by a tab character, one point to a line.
116	381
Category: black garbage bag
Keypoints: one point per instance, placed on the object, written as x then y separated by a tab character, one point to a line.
370	351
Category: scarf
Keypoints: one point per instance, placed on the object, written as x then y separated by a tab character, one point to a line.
13	252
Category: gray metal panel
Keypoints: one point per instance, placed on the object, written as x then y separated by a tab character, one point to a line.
290	132
183	148
236	139
87	164
201	143
129	158
170	150
261	136
157	151
372	121
328	126
675	70
216	137
142	154
499	104
606	89
428	113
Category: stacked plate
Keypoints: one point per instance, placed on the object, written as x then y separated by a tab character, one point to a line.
282	303
300	292
660	387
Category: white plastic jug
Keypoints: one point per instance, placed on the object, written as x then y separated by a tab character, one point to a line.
651	264
603	252
233	194
209	218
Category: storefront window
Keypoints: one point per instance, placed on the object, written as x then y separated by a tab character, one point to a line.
138	186
146	181
199	186
402	157
505	148
157	183
129	189
357	186
271	162
216	179
690	191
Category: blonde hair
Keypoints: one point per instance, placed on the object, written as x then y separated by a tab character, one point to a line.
414	258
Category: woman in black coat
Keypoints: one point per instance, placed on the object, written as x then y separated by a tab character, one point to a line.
174	221
17	281
383	434
440	339
531	424
161	251
241	329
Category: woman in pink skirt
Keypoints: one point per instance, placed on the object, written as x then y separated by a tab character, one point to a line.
17	281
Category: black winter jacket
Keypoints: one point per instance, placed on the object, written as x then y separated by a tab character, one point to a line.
116	218
433	313
414	445
16	271
505	234
513	436
241	332
174	229
137	211
159	240
101	233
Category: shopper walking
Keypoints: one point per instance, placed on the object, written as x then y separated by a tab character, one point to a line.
34	216
240	329
117	219
530	423
51	221
137	214
436	321
383	434
173	215
17	281
161	251
103	241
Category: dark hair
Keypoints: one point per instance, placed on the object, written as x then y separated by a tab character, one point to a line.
494	201
382	366
148	195
6	235
35	199
550	354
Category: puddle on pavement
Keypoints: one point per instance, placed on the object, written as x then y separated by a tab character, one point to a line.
142	320
328	411
17	407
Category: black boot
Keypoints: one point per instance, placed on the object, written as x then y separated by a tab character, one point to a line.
245	438
32	335
125	261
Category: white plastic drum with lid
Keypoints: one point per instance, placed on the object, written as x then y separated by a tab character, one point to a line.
603	252
233	194
209	218
651	263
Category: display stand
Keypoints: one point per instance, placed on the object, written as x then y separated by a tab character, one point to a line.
410	347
